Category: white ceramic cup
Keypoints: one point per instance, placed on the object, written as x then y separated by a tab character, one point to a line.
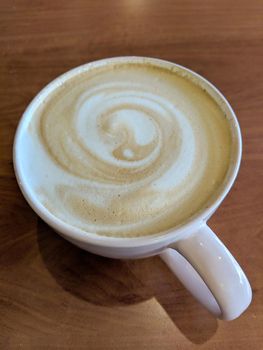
193	252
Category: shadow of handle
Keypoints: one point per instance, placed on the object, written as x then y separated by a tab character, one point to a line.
208	270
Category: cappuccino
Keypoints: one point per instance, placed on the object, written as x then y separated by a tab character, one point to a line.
127	149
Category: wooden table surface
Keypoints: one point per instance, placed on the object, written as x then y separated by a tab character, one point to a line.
52	294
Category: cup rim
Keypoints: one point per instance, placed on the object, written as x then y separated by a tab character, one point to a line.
72	232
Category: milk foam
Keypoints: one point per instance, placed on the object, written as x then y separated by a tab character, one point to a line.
128	150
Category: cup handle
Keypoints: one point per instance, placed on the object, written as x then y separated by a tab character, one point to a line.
209	271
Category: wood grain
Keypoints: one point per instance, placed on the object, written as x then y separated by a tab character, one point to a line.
53	295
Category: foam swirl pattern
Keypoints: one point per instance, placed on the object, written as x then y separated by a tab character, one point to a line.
129	150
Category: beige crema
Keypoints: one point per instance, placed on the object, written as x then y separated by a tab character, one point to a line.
129	149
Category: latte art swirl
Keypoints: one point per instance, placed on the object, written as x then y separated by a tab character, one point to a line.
118	134
130	150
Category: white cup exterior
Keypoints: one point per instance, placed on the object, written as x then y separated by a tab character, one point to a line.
183	239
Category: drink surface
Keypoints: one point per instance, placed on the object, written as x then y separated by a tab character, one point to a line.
128	149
